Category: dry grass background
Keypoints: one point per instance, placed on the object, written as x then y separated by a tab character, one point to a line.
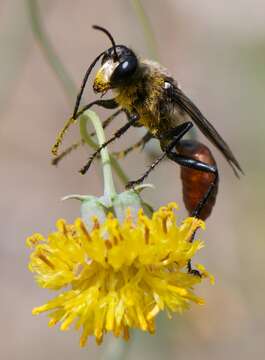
216	50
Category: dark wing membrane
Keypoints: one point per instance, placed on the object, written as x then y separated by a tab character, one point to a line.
207	129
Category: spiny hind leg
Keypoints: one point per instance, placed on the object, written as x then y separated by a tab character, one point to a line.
200	166
175	134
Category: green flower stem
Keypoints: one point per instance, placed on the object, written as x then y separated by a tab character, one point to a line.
119	170
147	28
84	133
115	349
85	136
109	188
49	51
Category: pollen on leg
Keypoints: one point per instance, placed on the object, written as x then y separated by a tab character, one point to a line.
61	135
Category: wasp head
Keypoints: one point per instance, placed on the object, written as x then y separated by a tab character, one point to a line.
118	66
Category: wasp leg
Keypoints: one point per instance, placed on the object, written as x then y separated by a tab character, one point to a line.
141	143
74	146
177	133
193	271
133	118
107	104
67	151
196	165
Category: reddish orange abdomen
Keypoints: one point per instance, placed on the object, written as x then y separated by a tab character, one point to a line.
196	183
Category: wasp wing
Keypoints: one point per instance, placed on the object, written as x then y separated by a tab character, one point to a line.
179	98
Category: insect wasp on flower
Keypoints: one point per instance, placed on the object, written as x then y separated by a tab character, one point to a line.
151	98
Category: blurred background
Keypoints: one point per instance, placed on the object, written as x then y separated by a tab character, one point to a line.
216	50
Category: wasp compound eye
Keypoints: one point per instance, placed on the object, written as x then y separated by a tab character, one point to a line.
124	71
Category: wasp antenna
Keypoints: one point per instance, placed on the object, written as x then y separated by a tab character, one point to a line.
79	96
96	27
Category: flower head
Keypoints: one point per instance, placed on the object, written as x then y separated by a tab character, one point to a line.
119	275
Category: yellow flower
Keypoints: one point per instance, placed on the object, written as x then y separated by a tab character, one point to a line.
118	275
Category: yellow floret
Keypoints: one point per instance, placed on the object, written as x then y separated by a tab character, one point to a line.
118	275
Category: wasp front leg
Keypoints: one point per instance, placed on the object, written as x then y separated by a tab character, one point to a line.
74	146
107	104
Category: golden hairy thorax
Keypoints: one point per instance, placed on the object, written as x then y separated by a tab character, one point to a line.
144	97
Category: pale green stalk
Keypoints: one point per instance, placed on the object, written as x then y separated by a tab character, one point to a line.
115	349
147	28
49	51
109	189
85	135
